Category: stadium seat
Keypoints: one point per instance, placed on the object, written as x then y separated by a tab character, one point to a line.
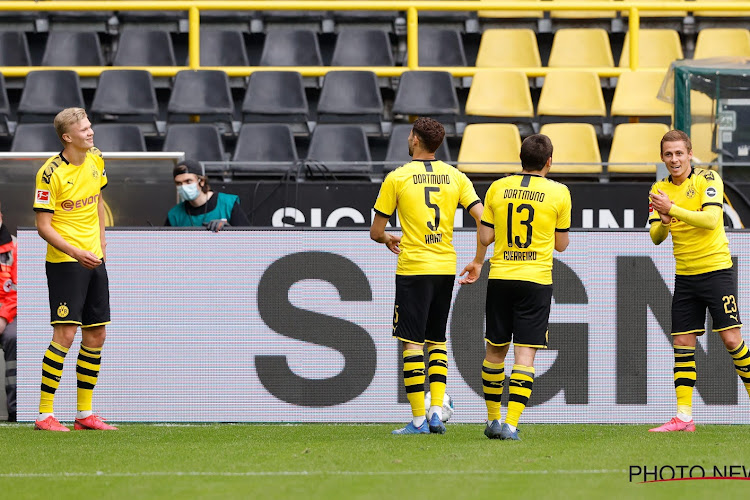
125	95
138	47
635	97
567	94
485	143
119	137
35	138
722	42
268	147
71	48
291	48
80	20
14	49
701	104
201	92
198	141
703	140
636	143
500	95
574	144
658	48
223	48
276	96
440	47
351	97
338	149
508	48
378	20
4	107
581	48
427	93
398	148
47	92
362	47
171	21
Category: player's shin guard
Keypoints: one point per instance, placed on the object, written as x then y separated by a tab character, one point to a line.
52	368
684	378
741	357
414	380
437	372
493	379
87	371
519	391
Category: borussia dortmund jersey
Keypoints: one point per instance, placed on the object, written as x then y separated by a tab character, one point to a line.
525	210
426	194
71	193
696	250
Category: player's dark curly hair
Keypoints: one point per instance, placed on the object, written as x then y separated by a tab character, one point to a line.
430	133
675	136
535	151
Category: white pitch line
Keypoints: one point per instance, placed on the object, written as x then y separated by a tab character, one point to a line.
300	473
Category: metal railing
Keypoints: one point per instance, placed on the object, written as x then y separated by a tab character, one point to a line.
412	8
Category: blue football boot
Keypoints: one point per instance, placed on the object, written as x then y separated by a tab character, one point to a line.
493	430
505	433
436	424
413	429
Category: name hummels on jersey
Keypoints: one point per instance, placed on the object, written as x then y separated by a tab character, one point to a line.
524	194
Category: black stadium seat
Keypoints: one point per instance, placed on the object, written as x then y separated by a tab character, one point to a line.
4	106
47	92
440	47
126	95
351	97
269	146
276	96
35	138
139	47
427	93
362	47
201	92
119	137
71	48
14	49
285	47
398	148
198	141
222	48
336	148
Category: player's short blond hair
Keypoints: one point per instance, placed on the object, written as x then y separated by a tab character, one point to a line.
66	118
676	136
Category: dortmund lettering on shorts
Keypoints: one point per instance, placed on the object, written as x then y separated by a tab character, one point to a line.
426	193
696	250
525	210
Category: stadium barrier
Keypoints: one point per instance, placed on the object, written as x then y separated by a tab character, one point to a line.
295	326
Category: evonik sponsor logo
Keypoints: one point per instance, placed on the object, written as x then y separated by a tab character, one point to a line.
662	473
69	205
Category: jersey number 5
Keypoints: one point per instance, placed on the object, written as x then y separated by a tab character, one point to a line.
427	191
525	207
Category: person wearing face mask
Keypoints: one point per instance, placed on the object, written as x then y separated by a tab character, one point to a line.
199	206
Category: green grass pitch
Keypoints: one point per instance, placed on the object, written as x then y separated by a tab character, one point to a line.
362	461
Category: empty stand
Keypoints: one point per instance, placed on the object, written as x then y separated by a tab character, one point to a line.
362	47
46	93
576	150
657	48
201	92
126	95
702	136
276	96
568	94
722	42
440	47
500	95
4	107
119	137
139	47
14	49
338	149
285	47
427	93
485	143
198	142
35	138
636	148
268	149
398	148
223	48
581	48
508	48
636	97
351	97
70	48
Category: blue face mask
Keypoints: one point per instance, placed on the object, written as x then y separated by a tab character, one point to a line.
188	192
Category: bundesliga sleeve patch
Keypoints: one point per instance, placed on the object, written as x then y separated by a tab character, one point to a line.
42	196
711	192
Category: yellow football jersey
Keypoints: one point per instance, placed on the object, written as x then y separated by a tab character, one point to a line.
696	250
525	210
71	193
426	194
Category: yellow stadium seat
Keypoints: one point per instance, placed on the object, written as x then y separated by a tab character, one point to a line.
657	49
512	14
573	143
508	48
571	93
721	13
722	42
581	48
634	144
490	142
500	93
635	95
583	14
701	136
701	104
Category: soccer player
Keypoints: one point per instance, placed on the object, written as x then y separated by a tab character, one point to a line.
527	216
426	193
70	217
688	204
